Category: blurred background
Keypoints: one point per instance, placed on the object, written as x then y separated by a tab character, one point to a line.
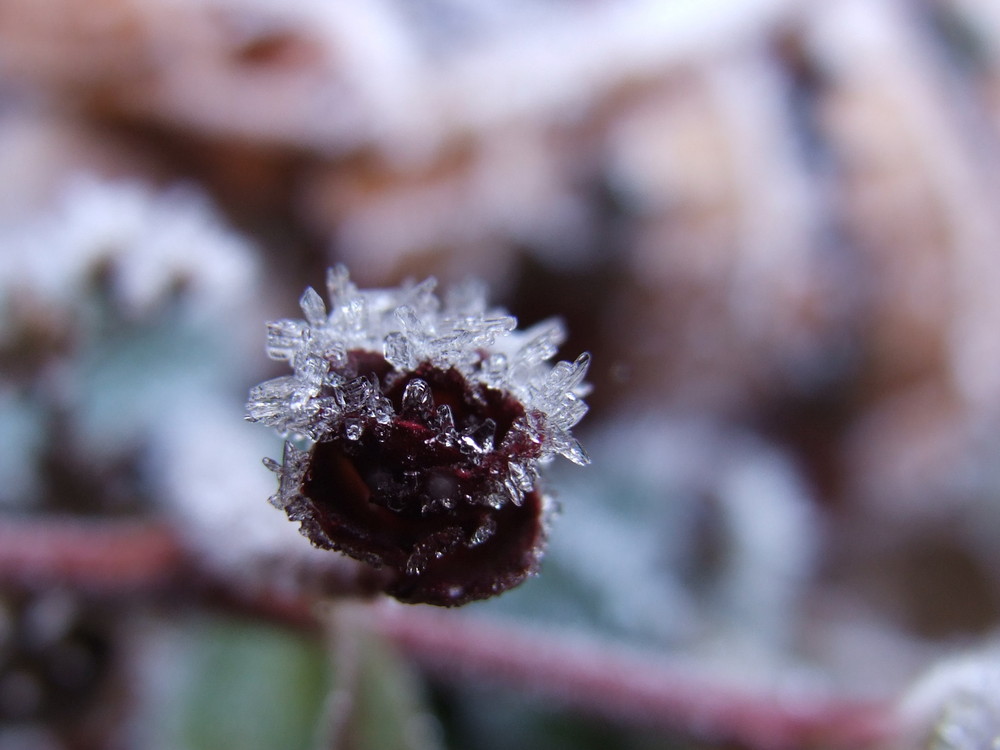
774	224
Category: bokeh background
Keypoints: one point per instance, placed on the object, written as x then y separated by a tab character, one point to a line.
774	224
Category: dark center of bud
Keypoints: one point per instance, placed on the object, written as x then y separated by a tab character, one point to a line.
426	488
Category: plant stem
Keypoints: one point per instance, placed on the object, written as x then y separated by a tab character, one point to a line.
596	678
107	556
629	686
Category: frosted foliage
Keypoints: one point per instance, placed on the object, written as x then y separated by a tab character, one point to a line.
675	493
207	489
150	241
411	326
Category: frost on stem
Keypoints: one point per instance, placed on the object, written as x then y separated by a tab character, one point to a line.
424	422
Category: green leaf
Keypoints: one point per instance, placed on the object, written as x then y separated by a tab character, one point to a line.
388	709
241	685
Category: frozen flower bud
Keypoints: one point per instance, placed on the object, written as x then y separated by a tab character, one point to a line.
418	427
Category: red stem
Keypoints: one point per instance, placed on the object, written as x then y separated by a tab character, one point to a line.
97	555
599	679
628	686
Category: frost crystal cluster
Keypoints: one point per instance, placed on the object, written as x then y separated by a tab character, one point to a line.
424	421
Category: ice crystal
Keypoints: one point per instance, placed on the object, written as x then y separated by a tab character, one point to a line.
425	420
